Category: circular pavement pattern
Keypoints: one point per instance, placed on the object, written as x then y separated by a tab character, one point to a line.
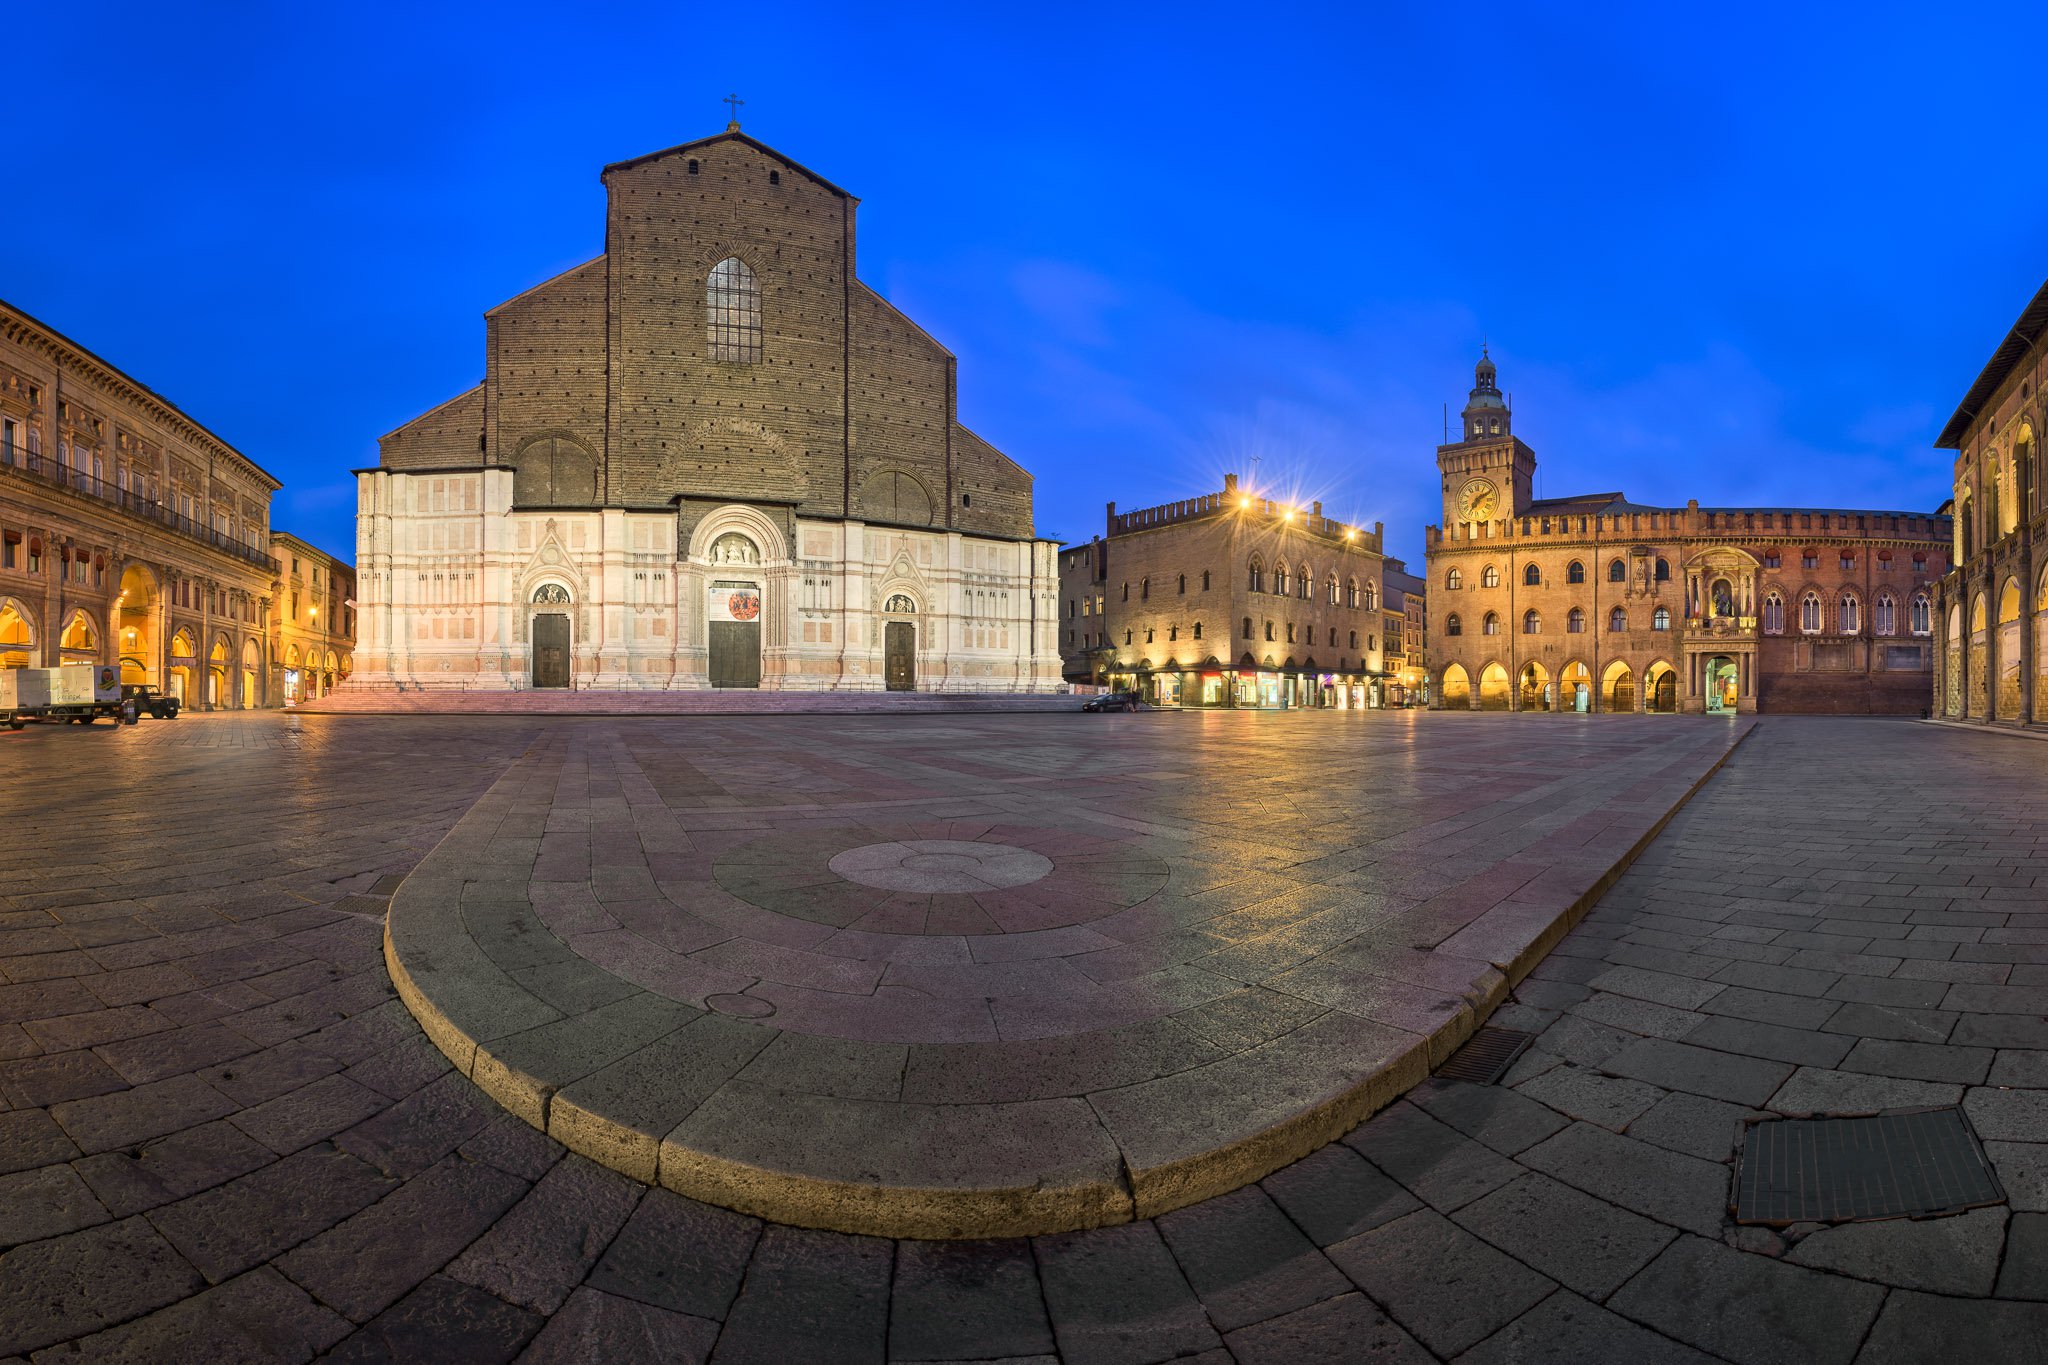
961	866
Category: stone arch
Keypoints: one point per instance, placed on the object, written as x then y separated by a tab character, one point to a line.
896	496
138	640
81	640
554	469
1534	686
1575	687
1660	687
2009	609
750	522
1618	688
251	681
1978	700
17	634
1454	688
1493	688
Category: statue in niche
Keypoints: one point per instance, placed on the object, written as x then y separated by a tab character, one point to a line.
733	548
1724	598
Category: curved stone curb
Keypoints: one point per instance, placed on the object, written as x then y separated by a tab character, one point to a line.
744	1114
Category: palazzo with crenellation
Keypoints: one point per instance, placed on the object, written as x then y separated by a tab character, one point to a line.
1597	603
709	457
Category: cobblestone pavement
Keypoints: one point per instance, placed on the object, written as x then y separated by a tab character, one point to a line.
221	1136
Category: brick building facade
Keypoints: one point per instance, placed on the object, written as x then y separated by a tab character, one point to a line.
1991	611
1407	658
1227	600
1596	603
711	456
312	620
130	535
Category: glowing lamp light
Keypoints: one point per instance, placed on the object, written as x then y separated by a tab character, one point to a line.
1243	503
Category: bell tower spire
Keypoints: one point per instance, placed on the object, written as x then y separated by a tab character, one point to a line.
1486	411
1488	475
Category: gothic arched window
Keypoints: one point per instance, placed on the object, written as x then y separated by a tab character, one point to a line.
1663	571
1575	622
1884	615
1661	619
1280	579
1532	576
1617	572
1372	598
1849	621
1489	577
1810	614
1532	624
1491	625
1921	624
1575	572
1453	626
733	313
1774	615
1617	620
1454	580
1255	577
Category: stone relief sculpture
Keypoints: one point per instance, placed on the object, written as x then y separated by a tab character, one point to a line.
734	548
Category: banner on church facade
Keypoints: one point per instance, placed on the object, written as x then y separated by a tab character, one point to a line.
735	602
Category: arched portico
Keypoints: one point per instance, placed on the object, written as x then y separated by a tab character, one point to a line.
1618	688
1454	688
1494	692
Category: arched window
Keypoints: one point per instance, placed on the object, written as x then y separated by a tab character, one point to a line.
1532	624
1354	639
1921	623
1884	615
1575	622
1772	559
733	313
1247	627
1454	580
1617	621
1919	564
1453	626
1144	590
1198	630
1269	630
1489	577
1333	590
1491	625
1350	592
1183	583
1306	583
1280	579
1661	619
1617	572
1205	580
1255	579
1850	620
1531	575
1774	614
1809	614
1372	598
1575	572
1127	637
1663	571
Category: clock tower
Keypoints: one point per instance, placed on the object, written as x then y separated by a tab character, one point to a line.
1488	475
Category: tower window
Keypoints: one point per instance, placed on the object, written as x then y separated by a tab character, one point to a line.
775	177
733	315
693	167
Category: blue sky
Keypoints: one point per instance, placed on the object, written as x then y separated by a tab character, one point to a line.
1737	253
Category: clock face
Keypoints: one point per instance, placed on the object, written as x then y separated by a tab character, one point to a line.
1476	501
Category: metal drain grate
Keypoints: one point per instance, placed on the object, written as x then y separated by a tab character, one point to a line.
1916	1163
1486	1056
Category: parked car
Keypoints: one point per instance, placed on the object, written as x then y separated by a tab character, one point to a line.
1113	701
148	699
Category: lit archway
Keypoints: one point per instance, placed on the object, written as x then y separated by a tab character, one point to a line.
17	635
80	642
217	661
1493	688
1660	688
1535	688
2009	650
1575	688
1618	688
184	662
292	684
136	613
252	672
1456	688
1980	658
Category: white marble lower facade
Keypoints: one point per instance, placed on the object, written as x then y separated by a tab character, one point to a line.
453	585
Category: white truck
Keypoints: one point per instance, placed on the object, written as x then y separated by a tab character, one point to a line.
80	692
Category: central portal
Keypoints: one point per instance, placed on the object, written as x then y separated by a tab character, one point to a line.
735	620
1722	686
551	649
900	645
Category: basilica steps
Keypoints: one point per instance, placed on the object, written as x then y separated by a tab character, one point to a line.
368	701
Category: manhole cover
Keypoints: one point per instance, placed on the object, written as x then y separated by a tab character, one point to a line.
1486	1056
1914	1163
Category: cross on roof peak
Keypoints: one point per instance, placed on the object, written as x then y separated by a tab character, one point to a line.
733	102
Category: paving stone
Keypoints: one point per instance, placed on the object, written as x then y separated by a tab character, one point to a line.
1336	1193
422	1128
1749	1308
129	1116
1919	1061
1490	1114
1922	1327
810	1296
1693	1124
443	1319
168	1168
259	1316
1566	1330
678	1254
1773	1007
595	1326
2020	1068
1638	1016
1583	1093
1659	988
1116	1297
2023	1273
1668	1186
236	1226
1773	1042
967	1300
30	1138
1449	1289
1955	1255
68	1286
1699	1071
1894	1022
1584	1243
1432	1161
1812	1091
309	1114
46	1202
1346	1330
542	1249
1245	1260
2023	1172
2008	1115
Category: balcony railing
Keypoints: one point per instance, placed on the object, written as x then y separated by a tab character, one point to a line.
131	502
